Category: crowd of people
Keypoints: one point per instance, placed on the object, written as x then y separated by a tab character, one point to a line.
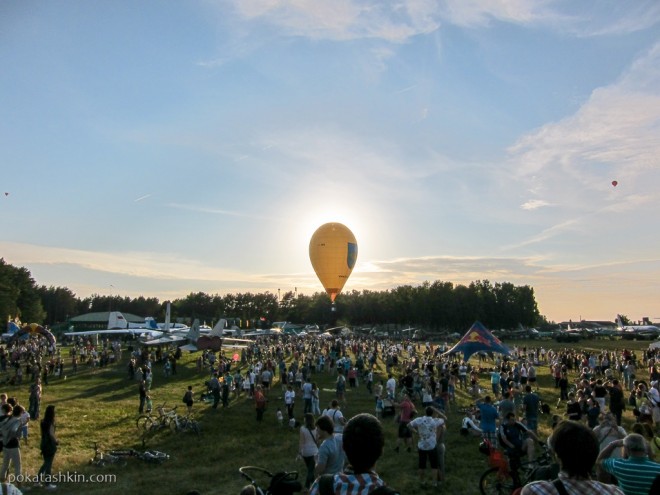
420	387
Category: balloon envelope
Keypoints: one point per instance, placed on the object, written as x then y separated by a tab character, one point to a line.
614	183
333	253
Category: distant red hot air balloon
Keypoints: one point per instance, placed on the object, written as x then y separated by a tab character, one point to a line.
614	183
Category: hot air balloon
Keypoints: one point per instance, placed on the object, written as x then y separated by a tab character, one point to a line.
614	183
333	253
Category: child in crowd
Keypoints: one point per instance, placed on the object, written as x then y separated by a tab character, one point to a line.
280	417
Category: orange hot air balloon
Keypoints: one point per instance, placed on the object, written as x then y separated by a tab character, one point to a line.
614	183
333	253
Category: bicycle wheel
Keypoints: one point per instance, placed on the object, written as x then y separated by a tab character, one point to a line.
173	424
496	482
144	422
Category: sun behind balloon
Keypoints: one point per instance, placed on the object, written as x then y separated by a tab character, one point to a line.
333	253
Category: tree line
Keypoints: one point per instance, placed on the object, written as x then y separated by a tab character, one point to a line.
435	306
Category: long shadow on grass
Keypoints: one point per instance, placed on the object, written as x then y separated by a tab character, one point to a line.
113	390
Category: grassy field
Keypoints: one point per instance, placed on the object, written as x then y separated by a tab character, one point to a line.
101	406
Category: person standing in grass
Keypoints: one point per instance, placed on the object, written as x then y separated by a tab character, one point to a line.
289	400
259	402
308	447
427	429
406	412
331	455
531	405
142	389
188	399
48	445
488	418
11	445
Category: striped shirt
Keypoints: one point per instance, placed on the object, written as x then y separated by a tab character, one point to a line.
573	487
635	474
351	484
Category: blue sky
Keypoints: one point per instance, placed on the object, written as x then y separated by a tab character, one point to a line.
162	148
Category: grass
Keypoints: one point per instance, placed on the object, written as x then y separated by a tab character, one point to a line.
101	406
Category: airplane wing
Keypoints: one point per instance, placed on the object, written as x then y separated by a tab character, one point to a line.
165	340
189	347
136	332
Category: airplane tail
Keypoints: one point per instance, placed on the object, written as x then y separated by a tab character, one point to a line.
116	321
619	323
168	316
193	334
218	329
150	323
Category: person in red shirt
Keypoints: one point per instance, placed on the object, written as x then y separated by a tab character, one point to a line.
406	413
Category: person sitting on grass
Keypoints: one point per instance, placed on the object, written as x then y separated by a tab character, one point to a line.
363	443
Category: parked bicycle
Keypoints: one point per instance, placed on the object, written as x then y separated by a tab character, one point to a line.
282	483
185	423
505	475
150	422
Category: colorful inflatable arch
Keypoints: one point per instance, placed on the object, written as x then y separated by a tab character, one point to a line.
33	329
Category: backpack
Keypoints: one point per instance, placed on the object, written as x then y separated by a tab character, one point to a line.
9	429
326	488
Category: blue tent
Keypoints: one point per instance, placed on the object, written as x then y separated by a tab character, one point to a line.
478	339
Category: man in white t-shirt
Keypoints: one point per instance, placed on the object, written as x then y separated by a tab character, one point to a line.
426	427
390	387
335	414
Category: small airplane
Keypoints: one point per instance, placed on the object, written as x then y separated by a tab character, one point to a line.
214	341
118	325
264	332
637	331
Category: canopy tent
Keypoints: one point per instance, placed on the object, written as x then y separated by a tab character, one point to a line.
477	339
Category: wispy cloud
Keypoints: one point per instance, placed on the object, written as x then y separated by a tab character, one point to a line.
399	21
344	19
571	163
535	204
617	126
219	211
142	198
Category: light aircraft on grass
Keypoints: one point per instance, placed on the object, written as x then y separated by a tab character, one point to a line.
194	341
631	332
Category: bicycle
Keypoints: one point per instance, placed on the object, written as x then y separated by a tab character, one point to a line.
185	423
282	483
102	459
503	478
148	423
151	456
